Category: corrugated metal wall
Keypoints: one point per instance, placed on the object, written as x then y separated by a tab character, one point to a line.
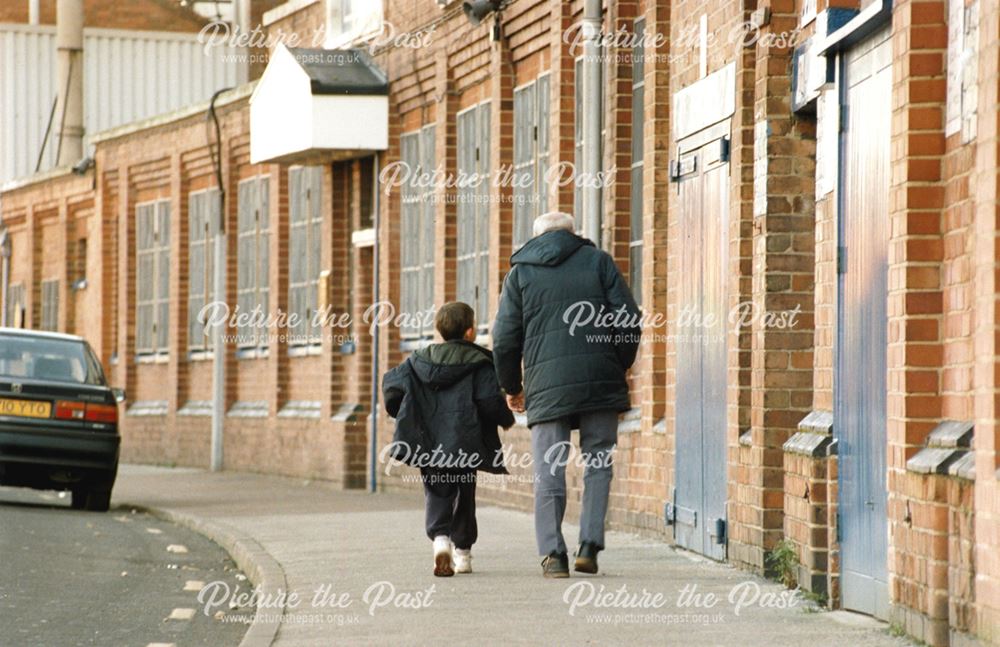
128	75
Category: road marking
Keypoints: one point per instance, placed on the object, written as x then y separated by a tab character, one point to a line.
177	548
194	585
154	531
162	645
181	614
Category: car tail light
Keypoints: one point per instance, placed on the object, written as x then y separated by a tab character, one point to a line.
102	413
67	410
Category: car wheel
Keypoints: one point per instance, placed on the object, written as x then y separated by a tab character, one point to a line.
99	499
78	501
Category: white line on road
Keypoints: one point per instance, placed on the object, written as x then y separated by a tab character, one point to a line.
177	548
194	585
181	614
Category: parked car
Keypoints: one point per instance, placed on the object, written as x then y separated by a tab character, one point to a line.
58	417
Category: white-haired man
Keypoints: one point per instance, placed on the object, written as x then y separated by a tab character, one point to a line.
567	313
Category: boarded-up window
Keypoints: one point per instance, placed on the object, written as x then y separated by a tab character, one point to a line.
304	232
531	155
252	291
203	222
474	210
50	305
152	277
417	243
15	305
638	130
578	140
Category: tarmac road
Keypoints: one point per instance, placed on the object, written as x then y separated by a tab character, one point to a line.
70	577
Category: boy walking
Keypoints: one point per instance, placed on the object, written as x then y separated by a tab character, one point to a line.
447	405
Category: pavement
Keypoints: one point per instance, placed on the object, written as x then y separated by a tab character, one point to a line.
351	568
69	577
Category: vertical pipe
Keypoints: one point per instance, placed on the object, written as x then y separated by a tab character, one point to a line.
69	49
592	20
373	441
4	275
218	343
33	12
219	294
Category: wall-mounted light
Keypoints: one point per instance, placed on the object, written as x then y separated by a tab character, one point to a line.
477	10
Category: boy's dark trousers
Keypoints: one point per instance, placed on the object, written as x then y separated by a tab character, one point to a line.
450	499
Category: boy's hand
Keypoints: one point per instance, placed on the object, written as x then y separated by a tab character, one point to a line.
516	402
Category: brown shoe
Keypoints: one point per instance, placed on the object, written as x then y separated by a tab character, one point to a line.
556	565
586	558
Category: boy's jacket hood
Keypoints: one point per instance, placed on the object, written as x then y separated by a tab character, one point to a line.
550	248
441	365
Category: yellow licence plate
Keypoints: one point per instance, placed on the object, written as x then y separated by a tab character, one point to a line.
25	408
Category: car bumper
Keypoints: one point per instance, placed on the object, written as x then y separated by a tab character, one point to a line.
58	448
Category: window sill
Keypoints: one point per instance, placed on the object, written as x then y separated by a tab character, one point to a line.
252	353
305	351
152	358
200	355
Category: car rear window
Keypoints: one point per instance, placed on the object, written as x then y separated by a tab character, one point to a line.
49	360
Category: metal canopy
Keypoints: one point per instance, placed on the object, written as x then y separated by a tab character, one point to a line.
341	71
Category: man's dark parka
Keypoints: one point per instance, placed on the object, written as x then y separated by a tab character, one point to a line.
559	279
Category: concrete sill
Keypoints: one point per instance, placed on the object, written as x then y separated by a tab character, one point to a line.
152	358
305	351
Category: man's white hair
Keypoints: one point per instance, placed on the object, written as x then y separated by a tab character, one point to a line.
552	221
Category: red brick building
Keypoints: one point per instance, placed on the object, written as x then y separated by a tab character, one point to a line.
805	194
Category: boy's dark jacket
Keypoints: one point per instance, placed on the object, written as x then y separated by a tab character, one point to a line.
446	396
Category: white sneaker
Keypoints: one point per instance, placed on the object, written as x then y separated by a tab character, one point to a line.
443	564
463	560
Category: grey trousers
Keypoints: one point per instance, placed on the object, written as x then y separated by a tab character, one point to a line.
551	453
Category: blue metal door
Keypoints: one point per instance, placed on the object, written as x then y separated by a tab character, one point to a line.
699	505
862	340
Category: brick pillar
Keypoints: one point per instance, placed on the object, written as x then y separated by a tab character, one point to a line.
277	359
985	240
652	359
126	283
562	115
783	266
742	512
917	510
617	160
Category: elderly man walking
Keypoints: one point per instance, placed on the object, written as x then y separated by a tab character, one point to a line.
568	314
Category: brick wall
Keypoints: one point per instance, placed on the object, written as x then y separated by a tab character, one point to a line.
943	566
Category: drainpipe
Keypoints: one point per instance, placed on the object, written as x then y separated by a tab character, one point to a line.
592	21
69	51
4	275
219	294
373	441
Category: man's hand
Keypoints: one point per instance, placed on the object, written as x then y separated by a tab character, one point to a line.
516	402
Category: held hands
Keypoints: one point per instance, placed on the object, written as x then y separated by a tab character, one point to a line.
516	402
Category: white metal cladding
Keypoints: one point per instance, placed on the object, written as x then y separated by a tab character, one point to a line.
128	75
